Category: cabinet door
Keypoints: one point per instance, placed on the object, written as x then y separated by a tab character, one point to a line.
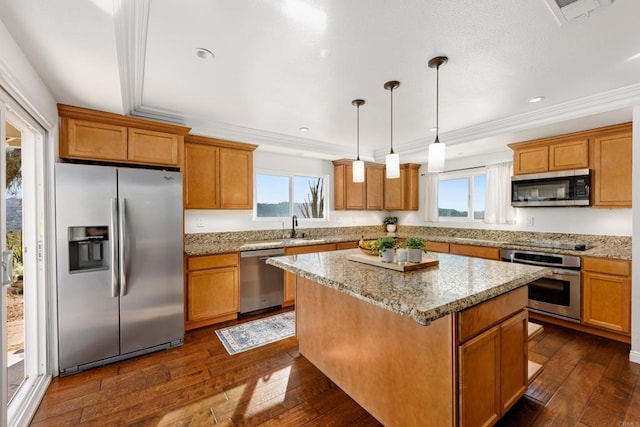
355	191
151	147
393	193
200	176
339	187
236	179
612	170
479	379
606	301
212	293
514	359
374	182
409	177
96	141
289	289
531	160
569	155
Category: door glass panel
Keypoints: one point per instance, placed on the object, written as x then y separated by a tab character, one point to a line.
13	226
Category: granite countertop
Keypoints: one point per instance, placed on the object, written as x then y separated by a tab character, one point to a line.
424	295
608	248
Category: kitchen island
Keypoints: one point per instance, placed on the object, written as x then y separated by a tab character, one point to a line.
441	346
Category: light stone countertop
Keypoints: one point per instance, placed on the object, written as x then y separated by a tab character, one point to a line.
611	247
424	295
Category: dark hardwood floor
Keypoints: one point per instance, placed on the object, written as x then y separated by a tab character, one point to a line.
587	381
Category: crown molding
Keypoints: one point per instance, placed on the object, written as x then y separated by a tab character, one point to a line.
627	96
131	20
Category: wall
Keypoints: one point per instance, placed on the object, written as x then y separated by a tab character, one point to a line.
553	220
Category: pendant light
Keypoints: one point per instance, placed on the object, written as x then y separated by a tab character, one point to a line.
392	161
358	165
437	149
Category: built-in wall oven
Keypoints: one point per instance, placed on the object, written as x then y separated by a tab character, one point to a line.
557	293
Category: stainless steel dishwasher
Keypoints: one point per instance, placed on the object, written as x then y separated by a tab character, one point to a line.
261	285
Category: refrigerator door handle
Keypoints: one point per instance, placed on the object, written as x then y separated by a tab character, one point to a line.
122	242
114	249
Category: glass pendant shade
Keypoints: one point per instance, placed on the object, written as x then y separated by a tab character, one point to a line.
392	162
436	157
358	171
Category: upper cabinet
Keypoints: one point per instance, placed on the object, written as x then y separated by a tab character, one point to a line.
550	155
217	174
99	136
401	194
612	158
607	151
349	195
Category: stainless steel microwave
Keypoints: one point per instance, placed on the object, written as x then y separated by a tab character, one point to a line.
561	188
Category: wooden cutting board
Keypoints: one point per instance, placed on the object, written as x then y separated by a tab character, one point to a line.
409	266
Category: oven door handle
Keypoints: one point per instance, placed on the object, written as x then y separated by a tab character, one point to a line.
539	264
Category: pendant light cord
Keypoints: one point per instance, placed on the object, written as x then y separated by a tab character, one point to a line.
358	134
391	127
437	103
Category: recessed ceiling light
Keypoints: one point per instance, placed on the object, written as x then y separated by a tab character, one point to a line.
536	99
203	53
303	129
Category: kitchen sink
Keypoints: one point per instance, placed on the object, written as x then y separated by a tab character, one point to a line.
300	240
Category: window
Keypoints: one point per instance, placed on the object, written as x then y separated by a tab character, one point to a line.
280	196
461	195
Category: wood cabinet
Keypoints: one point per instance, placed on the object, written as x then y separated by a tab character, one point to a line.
492	358
217	174
401	194
290	278
550	154
606	294
106	137
475	251
349	195
612	165
437	247
606	151
212	293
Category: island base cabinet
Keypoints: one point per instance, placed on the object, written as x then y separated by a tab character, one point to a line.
397	370
492	358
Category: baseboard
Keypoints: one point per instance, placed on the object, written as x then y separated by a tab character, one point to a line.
634	356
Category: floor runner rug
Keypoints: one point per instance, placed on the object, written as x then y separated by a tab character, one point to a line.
249	335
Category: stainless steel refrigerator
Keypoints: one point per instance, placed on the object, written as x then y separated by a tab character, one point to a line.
119	263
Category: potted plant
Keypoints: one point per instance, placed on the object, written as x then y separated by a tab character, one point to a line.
402	253
385	248
390	223
415	247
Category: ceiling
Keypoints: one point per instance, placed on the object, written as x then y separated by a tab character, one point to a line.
280	65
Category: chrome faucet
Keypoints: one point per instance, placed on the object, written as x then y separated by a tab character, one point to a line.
294	223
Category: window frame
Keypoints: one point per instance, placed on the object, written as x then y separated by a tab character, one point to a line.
291	176
469	174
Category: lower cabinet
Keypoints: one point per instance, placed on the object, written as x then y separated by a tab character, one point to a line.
290	278
606	294
212	289
475	251
492	358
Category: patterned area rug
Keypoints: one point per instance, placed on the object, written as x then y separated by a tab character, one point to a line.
257	333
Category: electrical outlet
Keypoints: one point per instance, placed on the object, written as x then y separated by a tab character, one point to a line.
530	221
199	222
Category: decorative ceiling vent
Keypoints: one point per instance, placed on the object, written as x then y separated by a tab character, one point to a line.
568	10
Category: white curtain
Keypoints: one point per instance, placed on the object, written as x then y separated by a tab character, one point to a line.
431	198
498	208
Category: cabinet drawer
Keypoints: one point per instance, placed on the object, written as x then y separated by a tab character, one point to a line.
605	265
346	245
212	261
475	251
482	316
437	247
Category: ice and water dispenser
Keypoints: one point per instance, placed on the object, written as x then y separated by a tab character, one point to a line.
88	248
